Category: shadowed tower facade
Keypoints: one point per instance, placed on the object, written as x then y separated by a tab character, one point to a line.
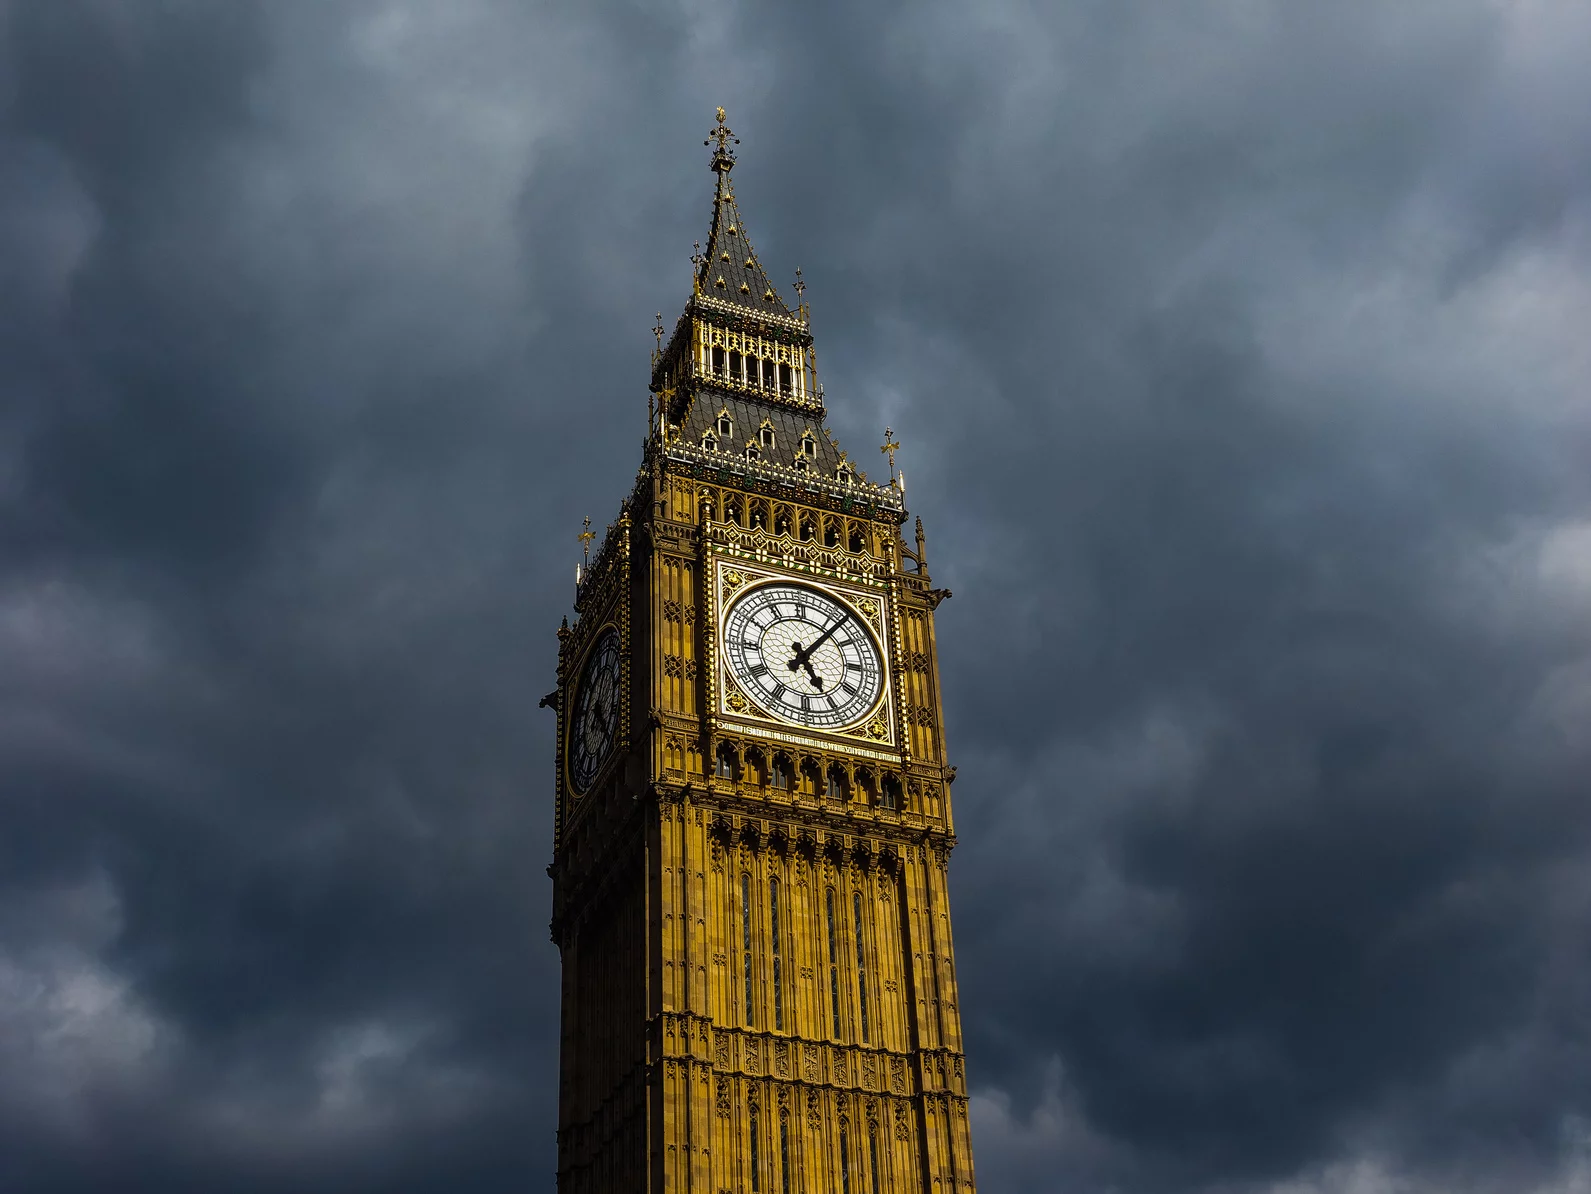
753	817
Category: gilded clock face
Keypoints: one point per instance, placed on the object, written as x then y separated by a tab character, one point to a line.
596	719
802	656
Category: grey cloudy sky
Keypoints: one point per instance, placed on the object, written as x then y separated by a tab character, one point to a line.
1241	355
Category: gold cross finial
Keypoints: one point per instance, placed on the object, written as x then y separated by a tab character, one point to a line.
657	330
890	447
586	536
723	156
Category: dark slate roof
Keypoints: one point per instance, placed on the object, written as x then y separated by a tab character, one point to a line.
747	415
730	258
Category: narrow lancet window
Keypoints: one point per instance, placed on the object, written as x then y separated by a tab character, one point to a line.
784	1154
778	988
834	963
756	1176
872	1153
745	940
861	962
845	1163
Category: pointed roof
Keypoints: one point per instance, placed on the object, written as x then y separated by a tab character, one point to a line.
729	270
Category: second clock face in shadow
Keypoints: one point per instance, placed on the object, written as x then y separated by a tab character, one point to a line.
596	719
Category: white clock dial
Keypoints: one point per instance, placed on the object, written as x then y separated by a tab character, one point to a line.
596	720
802	656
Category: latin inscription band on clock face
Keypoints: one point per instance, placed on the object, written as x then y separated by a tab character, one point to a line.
803	656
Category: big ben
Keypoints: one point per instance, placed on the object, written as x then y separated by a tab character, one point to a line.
753	813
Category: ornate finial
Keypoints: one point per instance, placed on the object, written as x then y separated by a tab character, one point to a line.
586	536
657	330
890	447
723	156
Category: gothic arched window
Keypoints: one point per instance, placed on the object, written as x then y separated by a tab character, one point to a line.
745	958
861	961
774	931
834	963
891	792
839	788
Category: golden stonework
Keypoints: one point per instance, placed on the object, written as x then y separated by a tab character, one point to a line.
711	1038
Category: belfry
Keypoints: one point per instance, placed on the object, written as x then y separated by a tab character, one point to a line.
752	821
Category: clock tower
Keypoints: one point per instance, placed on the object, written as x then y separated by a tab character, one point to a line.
752	819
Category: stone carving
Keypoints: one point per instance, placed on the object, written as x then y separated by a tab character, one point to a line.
723	1095
782	1059
869	1071
897	1074
903	1129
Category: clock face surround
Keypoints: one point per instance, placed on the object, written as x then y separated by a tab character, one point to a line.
802	655
595	724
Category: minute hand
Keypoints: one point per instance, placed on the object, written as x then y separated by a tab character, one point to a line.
801	656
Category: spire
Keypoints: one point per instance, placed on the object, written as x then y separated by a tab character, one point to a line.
729	270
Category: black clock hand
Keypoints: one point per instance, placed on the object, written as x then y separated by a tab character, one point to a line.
800	657
817	680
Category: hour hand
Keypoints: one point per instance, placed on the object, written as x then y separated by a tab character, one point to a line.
817	680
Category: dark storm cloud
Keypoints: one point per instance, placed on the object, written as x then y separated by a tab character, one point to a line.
1239	354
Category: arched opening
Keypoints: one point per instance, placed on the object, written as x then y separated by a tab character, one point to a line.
725	764
781	776
810	777
781	521
890	792
808	529
784	379
866	787
718	359
831	534
759	516
839	786
754	773
734	364
732	512
858	543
